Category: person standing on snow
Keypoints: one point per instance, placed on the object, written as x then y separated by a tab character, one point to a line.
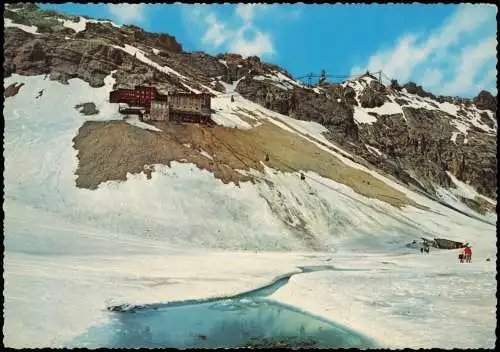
461	254
426	247
468	254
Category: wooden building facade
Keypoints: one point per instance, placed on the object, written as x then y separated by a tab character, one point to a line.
189	107
159	111
140	96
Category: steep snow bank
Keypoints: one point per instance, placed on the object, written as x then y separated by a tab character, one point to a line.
361	116
81	25
40	165
140	55
30	29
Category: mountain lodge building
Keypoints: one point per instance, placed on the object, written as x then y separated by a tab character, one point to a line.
148	103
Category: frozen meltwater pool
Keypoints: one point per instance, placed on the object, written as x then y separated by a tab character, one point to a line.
244	320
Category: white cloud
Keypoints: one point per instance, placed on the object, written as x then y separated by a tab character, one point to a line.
127	12
261	43
246	11
216	33
489	81
233	33
398	61
432	77
428	60
471	60
467	18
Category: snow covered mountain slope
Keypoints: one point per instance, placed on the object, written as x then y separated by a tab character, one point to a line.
279	211
48	217
406	132
411	134
175	213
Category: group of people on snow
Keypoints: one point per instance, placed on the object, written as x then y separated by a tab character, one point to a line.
425	248
465	254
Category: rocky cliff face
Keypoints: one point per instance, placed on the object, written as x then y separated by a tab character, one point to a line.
410	133
416	137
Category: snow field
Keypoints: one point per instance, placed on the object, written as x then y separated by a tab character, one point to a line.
49	299
30	29
414	301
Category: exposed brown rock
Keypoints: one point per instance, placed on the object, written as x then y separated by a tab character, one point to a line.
412	88
303	104
108	150
87	109
486	101
371	98
12	89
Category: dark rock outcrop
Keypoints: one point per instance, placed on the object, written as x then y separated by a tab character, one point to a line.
417	146
444	243
87	109
25	54
131	35
90	59
373	96
203	64
412	88
303	104
395	85
12	89
422	144
485	101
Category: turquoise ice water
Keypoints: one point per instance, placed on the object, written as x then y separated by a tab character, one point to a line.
225	323
247	319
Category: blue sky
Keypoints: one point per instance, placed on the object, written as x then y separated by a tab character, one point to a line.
449	49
